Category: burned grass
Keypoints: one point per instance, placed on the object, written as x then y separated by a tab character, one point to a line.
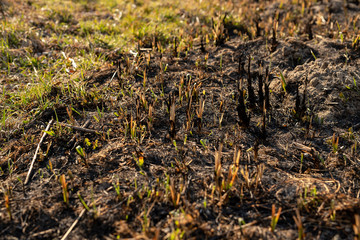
214	129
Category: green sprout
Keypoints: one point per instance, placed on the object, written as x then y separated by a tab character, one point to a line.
203	143
313	54
82	154
283	82
83	202
174	143
80	151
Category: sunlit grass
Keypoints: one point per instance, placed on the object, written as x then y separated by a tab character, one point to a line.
32	40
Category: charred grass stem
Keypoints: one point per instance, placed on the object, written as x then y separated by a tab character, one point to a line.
298	222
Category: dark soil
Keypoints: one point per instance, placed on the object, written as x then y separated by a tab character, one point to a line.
289	156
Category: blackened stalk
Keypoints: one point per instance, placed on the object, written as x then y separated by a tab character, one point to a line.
261	93
267	91
175	47
188	110
251	95
241	109
241	69
202	48
263	127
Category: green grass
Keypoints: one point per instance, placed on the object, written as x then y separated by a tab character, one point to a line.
85	31
154	151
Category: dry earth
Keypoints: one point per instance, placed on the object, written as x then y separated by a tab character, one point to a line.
305	161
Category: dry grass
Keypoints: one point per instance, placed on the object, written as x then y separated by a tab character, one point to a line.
179	119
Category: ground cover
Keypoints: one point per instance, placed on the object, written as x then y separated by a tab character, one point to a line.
179	119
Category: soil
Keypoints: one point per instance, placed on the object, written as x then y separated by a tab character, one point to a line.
304	161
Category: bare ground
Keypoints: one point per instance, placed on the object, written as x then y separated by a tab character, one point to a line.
295	163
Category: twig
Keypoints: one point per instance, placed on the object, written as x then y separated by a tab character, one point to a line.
80	128
48	231
126	199
304	148
73	225
111	78
78	219
236	228
76	135
36	152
